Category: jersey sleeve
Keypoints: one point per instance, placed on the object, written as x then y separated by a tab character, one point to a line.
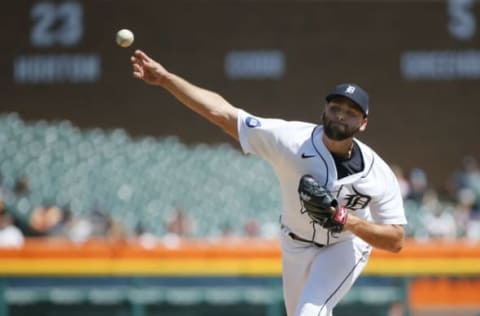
387	207
260	136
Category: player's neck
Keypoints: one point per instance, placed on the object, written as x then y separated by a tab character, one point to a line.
341	148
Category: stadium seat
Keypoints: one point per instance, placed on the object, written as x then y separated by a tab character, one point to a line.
135	180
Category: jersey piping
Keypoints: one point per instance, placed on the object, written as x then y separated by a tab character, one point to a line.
319	154
370	168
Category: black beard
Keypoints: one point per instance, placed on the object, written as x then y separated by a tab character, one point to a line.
334	133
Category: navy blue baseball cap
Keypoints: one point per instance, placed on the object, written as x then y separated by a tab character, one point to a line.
353	92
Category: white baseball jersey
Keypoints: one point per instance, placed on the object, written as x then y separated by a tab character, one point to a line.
314	278
295	149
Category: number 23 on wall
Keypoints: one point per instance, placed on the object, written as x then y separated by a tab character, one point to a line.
56	24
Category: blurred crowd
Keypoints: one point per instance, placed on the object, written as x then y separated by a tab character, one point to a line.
448	213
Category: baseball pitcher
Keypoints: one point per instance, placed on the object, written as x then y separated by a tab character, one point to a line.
339	198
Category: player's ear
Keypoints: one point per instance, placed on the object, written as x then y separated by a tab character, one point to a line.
363	125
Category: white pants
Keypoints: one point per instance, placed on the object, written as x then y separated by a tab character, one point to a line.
315	279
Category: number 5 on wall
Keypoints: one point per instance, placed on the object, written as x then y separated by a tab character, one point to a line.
461	23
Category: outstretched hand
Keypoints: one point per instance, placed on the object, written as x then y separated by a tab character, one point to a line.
147	69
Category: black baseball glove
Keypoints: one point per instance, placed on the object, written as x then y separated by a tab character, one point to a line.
320	205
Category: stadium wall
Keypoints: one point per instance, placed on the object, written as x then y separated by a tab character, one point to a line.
419	60
423	278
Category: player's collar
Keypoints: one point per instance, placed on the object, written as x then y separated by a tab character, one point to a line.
327	157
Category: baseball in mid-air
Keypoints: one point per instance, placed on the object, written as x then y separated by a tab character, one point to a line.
124	38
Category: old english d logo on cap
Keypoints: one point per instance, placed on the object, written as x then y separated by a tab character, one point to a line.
353	92
350	90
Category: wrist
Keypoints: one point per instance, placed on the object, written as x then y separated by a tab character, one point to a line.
351	223
164	80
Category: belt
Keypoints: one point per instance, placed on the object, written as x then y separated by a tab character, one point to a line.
296	237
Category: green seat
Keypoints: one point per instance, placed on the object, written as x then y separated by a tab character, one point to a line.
136	179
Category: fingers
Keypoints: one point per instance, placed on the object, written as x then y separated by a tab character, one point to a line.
137	67
137	75
137	71
140	58
145	68
140	55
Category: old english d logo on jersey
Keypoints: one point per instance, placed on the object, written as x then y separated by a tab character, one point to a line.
354	200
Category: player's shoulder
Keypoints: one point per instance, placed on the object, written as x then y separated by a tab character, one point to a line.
374	163
294	134
299	127
277	125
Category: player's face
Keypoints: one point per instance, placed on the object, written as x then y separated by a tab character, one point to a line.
342	119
